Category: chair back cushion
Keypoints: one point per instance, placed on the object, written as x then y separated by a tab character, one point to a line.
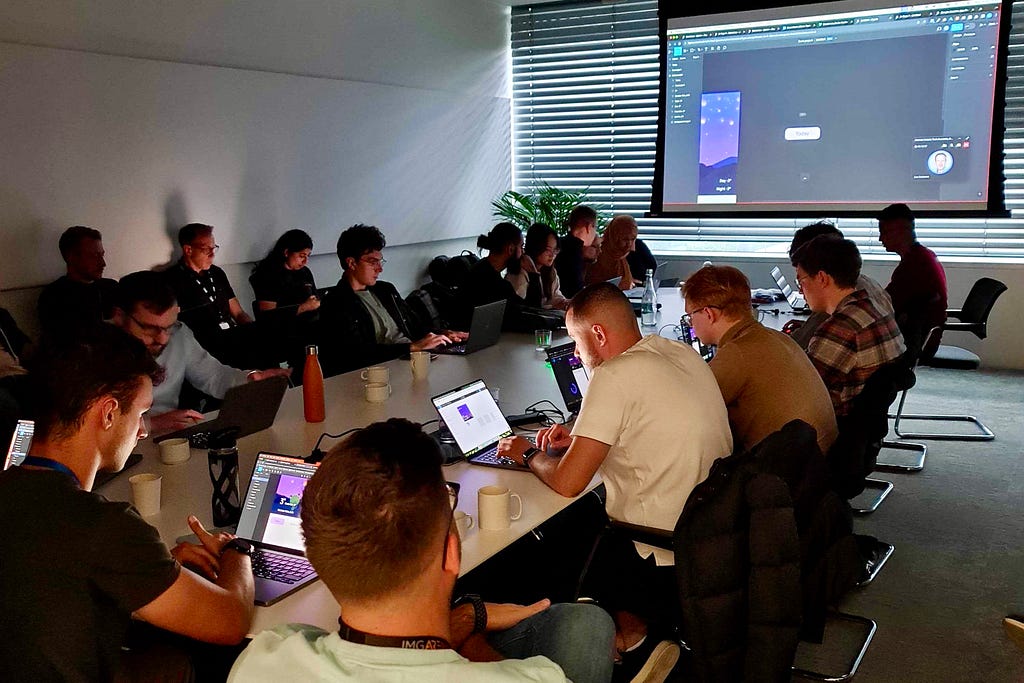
979	303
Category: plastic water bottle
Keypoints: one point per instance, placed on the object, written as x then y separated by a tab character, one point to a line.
313	387
649	301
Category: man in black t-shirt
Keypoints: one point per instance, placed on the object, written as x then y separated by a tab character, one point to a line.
571	261
77	567
83	296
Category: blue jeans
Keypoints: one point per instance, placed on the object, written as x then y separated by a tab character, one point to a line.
579	638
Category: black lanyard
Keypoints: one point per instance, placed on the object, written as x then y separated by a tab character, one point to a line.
404	642
34	461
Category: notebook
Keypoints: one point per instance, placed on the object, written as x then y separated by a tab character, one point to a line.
251	407
484	330
570	375
270	521
796	301
476	423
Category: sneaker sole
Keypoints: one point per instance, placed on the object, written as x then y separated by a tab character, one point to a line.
659	665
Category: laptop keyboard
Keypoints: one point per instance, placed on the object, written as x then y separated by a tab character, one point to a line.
455	348
491	457
279	566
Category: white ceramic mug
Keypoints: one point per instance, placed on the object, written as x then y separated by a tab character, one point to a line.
419	361
174	451
494	507
146	493
378	374
463	522
377	392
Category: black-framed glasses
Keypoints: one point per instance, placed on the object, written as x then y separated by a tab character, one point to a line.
688	317
209	251
156	330
453	499
800	281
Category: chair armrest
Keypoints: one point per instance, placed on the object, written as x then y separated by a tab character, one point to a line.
954	313
660	538
962	327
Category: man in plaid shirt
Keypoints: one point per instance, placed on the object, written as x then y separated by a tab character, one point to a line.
857	338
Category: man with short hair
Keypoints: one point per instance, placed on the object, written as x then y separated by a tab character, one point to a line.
571	262
378	524
918	284
766	379
856	338
77	567
652	423
148	310
82	297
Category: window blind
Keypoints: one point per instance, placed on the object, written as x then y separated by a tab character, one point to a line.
585	116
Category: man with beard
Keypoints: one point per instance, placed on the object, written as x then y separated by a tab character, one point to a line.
485	283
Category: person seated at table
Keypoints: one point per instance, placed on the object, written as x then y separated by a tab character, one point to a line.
856	338
652	423
618	242
147	309
765	378
77	567
918	284
577	249
378	524
282	279
534	278
641	260
363	320
82	296
801	332
485	284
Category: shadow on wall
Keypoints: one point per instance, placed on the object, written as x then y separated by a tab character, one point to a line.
175	216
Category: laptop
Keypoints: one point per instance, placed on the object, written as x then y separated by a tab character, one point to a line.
17	451
476	423
796	301
688	336
484	330
251	407
270	522
570	375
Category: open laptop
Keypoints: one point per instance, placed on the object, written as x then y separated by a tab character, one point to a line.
484	330
476	423
570	375
20	442
270	521
796	301
251	407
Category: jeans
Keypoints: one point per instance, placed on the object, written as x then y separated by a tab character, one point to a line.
579	638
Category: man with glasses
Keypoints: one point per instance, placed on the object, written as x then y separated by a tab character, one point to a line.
377	519
364	320
148	310
766	379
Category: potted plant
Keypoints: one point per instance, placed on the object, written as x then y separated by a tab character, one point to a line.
545	204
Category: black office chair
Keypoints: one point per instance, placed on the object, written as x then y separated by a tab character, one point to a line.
972	317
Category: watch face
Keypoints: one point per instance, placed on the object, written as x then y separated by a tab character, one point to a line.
241	545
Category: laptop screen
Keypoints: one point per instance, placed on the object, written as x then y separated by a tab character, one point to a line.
472	416
270	513
783	284
570	374
20	442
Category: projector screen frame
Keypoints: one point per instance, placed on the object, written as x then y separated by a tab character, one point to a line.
996	206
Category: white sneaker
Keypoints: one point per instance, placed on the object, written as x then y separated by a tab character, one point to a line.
659	664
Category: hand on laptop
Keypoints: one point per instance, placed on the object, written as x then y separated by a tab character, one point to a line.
431	341
456	336
202	558
555	437
513	447
175	419
257	375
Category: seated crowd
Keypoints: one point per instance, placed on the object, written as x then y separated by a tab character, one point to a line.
97	595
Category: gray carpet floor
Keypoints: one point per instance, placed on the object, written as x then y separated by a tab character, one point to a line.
958	529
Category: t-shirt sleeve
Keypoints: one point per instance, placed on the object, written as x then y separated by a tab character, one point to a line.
265	286
603	413
223	283
130	564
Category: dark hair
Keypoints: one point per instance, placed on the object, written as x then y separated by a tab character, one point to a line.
808	233
75	235
291	241
536	242
836	256
358	240
189	233
146	288
375	512
897	212
722	286
579	215
600	301
500	236
72	372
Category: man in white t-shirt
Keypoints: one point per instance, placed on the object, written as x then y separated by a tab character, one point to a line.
652	423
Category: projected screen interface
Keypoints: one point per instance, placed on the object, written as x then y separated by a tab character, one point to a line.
472	417
827	109
273	504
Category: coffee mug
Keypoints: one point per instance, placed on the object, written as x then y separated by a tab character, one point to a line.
463	522
378	374
419	361
494	505
174	451
377	392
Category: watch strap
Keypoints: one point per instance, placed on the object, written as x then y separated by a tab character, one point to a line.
239	545
530	452
479	611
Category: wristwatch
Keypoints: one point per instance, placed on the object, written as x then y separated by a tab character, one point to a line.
239	545
479	611
530	452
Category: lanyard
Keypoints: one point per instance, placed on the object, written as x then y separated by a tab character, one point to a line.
404	642
46	463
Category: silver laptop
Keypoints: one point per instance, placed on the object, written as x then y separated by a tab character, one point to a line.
251	407
484	330
796	301
476	423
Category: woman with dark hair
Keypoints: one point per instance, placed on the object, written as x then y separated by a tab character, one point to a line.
534	277
485	284
282	278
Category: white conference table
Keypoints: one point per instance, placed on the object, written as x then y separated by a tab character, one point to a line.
513	365
774	315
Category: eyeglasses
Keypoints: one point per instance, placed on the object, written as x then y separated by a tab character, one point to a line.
688	317
375	262
453	498
800	281
209	251
156	330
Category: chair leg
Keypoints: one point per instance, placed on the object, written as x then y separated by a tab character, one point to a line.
877	562
985	434
870	627
917	464
880	485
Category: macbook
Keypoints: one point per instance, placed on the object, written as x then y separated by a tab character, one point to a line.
570	375
476	423
796	301
251	407
484	330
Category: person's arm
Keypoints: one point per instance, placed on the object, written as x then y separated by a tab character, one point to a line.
500	617
238	313
202	370
726	371
569	474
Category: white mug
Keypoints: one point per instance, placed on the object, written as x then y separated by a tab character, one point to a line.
494	505
419	361
174	451
463	522
146	493
378	374
377	392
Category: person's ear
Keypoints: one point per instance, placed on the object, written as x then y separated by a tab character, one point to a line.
349	263
453	553
600	334
106	408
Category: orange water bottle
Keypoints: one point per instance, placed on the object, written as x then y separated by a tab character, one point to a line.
313	387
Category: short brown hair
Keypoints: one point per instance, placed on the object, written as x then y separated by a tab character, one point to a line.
74	236
723	287
375	512
601	302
